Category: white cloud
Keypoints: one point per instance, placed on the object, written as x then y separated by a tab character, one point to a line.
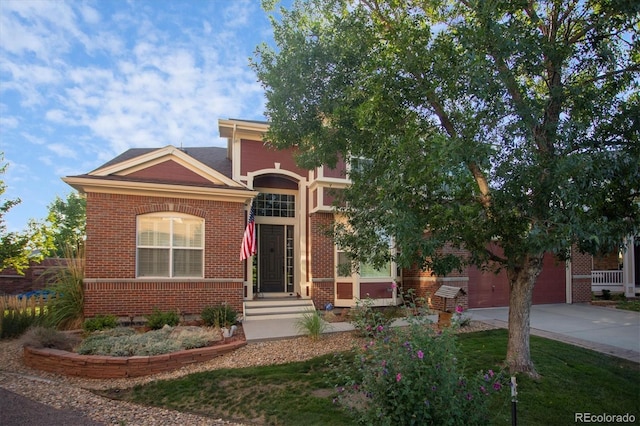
8	122
57	116
89	14
84	81
238	14
62	150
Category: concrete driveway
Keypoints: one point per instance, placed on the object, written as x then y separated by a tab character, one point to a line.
607	330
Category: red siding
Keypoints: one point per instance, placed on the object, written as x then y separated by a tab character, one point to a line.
345	291
375	290
254	155
169	171
339	172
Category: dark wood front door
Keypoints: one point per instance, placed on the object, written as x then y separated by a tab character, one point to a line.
271	258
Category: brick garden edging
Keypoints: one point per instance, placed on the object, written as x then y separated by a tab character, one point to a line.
107	367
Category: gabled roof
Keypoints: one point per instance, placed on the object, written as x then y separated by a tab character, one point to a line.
213	157
186	172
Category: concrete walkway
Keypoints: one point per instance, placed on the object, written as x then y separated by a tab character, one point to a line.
607	330
269	329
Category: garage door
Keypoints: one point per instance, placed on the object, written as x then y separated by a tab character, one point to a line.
487	290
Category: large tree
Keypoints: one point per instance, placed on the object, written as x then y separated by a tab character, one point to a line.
503	121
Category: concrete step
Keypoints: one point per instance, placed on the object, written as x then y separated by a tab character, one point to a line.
276	309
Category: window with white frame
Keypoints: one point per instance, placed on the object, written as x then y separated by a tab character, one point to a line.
365	270
358	165
345	266
170	245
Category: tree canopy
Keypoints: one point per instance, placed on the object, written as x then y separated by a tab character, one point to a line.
61	234
66	223
17	249
510	121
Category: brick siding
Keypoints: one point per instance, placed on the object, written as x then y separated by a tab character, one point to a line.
111	286
322	293
581	265
139	297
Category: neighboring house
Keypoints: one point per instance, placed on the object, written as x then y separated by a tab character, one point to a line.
165	226
618	271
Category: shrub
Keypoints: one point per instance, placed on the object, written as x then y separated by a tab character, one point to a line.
66	308
125	342
15	322
412	375
158	319
47	337
368	319
100	322
311	324
219	316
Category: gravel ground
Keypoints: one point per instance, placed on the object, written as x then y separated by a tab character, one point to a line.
73	393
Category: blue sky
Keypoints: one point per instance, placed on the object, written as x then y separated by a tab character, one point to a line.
83	81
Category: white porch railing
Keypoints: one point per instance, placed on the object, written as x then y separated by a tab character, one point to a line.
607	280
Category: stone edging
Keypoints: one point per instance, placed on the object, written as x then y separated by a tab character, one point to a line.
107	367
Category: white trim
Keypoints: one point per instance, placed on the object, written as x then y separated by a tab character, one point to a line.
107	186
299	226
225	126
300	180
628	269
171	247
163	154
568	281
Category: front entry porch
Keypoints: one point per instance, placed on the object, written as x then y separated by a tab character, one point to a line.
276	308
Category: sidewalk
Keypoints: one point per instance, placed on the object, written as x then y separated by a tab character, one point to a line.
607	330
269	329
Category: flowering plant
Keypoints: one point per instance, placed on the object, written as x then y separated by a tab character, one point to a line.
460	319
412	375
368	320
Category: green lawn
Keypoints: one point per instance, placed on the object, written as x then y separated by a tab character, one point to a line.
573	380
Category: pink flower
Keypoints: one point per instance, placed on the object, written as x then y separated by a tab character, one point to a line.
491	373
459	309
497	386
398	377
394	286
420	354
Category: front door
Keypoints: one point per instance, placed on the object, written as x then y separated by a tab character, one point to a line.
271	242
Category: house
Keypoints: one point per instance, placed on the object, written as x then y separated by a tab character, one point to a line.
165	226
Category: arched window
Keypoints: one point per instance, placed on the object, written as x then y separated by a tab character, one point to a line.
170	245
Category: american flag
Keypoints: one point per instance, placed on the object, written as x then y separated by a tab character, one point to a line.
249	240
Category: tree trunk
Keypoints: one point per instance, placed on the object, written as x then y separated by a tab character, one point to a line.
522	279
